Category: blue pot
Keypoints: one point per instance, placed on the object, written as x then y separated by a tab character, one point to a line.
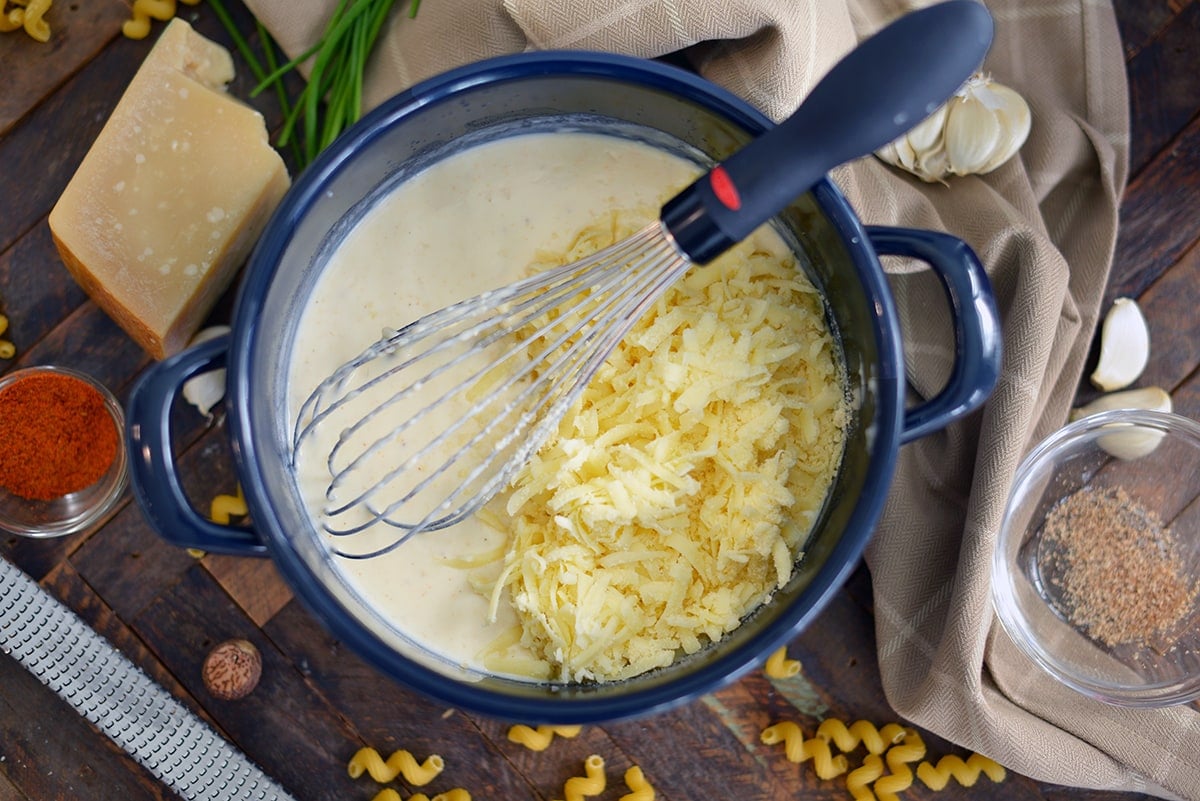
536	92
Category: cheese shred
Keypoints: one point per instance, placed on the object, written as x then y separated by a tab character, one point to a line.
677	494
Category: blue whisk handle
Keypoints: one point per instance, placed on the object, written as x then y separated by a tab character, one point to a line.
880	90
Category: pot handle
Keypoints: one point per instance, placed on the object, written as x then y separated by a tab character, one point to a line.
153	476
976	323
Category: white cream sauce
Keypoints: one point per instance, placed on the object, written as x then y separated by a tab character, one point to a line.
469	223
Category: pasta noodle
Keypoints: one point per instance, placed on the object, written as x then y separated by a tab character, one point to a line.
641	789
911	749
876	741
27	14
225	507
400	763
778	666
457	794
798	749
965	772
578	787
7	349
858	781
138	26
539	739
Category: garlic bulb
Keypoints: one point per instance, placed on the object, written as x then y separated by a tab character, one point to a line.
976	131
1124	346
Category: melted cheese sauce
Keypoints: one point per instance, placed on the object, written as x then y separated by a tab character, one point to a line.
469	223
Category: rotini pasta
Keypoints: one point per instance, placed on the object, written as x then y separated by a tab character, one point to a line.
965	773
910	749
27	14
640	789
138	25
579	787
858	781
863	732
539	739
224	507
400	763
457	794
798	749
778	666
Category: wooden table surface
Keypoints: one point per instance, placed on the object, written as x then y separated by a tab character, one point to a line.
318	703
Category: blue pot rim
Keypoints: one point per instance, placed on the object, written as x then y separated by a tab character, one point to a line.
837	567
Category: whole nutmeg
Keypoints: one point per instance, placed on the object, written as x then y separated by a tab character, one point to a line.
232	669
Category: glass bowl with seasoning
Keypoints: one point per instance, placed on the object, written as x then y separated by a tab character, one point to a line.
62	455
1096	574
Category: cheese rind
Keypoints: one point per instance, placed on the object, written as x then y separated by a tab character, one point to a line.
172	195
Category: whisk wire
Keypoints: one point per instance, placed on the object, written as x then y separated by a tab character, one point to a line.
579	336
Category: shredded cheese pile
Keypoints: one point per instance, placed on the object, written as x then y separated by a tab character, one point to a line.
676	495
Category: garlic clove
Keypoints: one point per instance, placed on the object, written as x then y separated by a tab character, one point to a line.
972	133
1138	441
1154	399
207	389
928	133
1015	122
905	153
1124	346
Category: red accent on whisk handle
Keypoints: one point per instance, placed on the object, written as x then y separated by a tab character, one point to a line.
880	90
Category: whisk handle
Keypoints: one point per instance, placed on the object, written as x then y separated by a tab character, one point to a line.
877	92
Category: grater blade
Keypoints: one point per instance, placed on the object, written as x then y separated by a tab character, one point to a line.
133	710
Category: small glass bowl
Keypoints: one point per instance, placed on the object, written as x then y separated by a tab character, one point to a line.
1043	594
75	511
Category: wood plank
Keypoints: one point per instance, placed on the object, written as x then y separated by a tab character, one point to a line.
1139	22
36	291
32	70
1170	306
255	584
1158	217
1162	97
387	716
285	726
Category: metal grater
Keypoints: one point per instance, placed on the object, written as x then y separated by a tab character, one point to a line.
66	655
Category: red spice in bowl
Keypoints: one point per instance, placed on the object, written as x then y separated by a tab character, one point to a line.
62	456
57	436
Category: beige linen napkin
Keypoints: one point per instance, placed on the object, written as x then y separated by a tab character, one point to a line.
1045	226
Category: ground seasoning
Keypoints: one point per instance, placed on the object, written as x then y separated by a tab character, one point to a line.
56	436
1121	572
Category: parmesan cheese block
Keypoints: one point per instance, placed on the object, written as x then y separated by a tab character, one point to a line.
172	195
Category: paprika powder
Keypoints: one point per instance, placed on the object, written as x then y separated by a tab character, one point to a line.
57	435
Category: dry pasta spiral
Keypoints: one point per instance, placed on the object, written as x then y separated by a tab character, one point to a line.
138	25
858	781
399	763
539	739
578	787
27	14
965	772
798	749
863	732
911	749
224	507
778	666
640	789
457	794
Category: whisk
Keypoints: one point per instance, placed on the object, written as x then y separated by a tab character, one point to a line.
425	426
